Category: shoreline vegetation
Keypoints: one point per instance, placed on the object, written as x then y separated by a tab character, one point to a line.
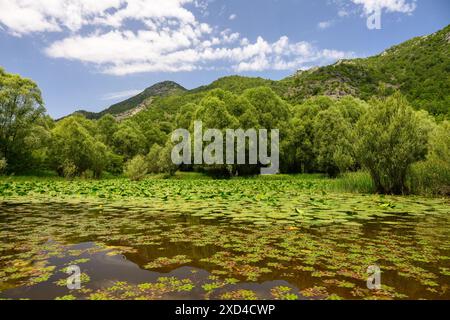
49	185
354	119
383	146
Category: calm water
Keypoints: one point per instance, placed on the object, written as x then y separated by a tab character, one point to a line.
198	251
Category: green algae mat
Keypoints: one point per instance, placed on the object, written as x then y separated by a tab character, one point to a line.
218	239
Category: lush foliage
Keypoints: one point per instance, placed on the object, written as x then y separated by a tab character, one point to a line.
418	68
74	147
391	137
21	120
322	134
3	165
363	120
160	89
432	176
136	168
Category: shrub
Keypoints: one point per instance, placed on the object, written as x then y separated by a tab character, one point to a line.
136	168
69	169
390	138
88	174
99	159
3	165
432	176
165	163
153	158
115	163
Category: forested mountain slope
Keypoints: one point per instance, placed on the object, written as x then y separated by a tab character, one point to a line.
124	108
418	68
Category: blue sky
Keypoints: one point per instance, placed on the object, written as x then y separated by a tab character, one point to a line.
88	54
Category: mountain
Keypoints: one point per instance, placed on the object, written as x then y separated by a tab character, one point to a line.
137	103
161	89
236	84
419	68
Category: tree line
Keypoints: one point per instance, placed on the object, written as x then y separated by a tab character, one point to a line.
399	147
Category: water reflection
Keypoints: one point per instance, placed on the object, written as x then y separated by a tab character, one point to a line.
145	252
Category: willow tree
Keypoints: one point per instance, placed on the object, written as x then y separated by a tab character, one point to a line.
75	150
21	107
391	137
333	142
129	140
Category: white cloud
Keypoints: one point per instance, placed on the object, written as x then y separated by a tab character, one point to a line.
121	94
28	16
125	53
343	13
402	6
324	24
232	17
167	38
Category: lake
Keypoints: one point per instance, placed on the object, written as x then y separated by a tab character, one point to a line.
286	244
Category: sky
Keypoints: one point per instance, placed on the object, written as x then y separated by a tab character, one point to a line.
87	54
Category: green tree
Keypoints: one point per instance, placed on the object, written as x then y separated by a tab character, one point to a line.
440	142
269	112
332	142
72	144
296	148
165	163
21	107
299	152
129	141
136	168
38	141
433	174
115	163
3	165
214	114
153	158
238	107
390	139
107	126
352	109
186	116
272	111
99	158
